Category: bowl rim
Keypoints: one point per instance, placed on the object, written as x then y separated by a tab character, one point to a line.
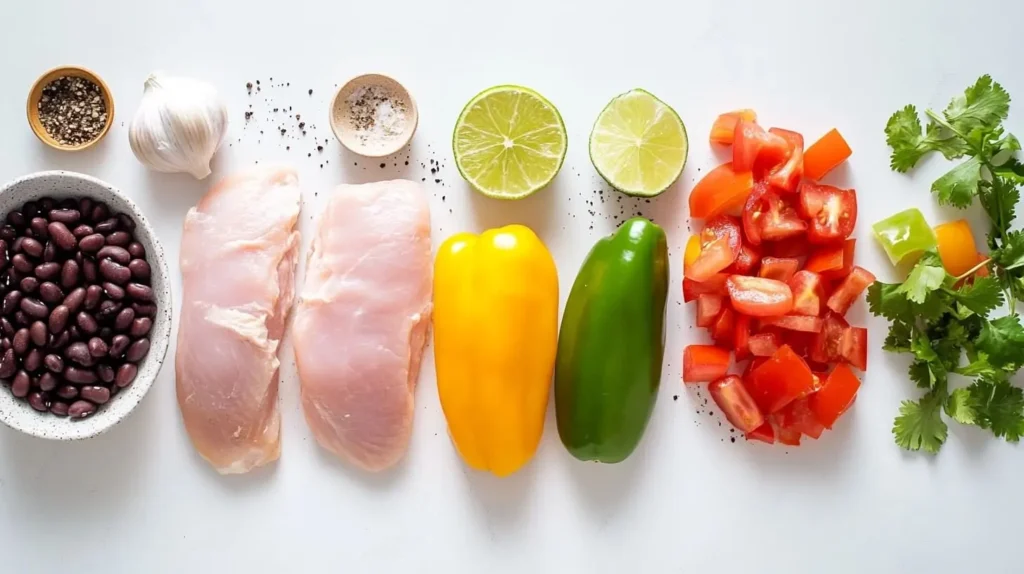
373	77
36	91
65	429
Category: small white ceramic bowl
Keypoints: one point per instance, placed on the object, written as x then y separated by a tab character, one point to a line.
346	131
17	413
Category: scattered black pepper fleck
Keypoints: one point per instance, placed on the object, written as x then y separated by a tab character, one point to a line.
383	165
311	91
675	397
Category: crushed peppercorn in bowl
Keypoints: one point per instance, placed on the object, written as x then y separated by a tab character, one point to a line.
373	115
75	124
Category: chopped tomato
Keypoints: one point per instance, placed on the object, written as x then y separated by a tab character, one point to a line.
801	342
763	433
819	378
956	247
763	344
785	435
732	397
722	331
750	142
832	261
828	342
754	364
792	247
714	285
836	395
741	337
798	416
849	290
704	363
722	190
766	217
724	127
832	212
708	308
808	293
692	251
786	177
801	323
746	262
825	154
720	242
722	227
759	297
780	380
778	268
849	247
854	347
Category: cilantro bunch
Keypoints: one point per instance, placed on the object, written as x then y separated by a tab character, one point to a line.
947	322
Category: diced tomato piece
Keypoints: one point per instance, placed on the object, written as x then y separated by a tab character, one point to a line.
704	363
825	154
724	127
722	227
722	190
708	308
741	337
746	262
766	217
849	247
825	259
750	142
759	297
854	347
792	247
763	344
801	323
819	379
715	285
785	435
836	395
780	380
732	397
828	342
786	176
801	342
778	268
713	258
849	290
764	433
692	251
798	416
724	327
832	212
808	293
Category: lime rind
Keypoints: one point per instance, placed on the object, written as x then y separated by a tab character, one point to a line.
639	144
509	142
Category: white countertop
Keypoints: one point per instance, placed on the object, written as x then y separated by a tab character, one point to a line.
138	499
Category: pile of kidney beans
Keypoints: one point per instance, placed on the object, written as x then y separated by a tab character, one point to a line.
77	305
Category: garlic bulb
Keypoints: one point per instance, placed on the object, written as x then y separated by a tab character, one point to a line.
178	126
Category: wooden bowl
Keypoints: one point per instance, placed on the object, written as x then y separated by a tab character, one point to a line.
345	130
32	107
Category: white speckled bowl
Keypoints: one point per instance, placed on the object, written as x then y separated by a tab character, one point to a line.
16	413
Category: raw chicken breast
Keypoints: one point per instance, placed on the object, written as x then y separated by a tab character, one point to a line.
238	255
362	319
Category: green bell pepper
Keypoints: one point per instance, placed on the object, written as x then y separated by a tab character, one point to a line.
612	343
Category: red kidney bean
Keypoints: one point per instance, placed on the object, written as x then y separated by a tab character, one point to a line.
21	341
79	376
53	363
59	341
48	271
106	226
127	223
137	351
69	274
75	299
59	408
114	272
37	332
139	292
89	272
124	319
106	333
59	318
38	225
12	300
92	296
136	250
8	329
97	347
105	372
8	364
67	392
125	375
5	344
86	323
66	216
46	204
50	293
21	384
30	209
16	218
99	212
16	247
74	333
118	254
33	360
91	243
48	382
81	231
3	254
49	252
118	345
61	235
79	353
85	206
140	269
81	409
37	401
113	291
98	395
21	319
29	284
34	308
32	247
144	310
21	264
8	234
119	238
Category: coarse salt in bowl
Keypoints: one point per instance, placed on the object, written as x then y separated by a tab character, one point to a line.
373	115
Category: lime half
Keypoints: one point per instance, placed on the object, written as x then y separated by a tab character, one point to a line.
639	144
509	142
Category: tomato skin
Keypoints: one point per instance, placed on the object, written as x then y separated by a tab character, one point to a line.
708	308
722	190
766	217
836	395
759	297
828	342
832	212
704	363
786	177
741	337
808	293
763	344
724	328
715	285
724	127
849	248
736	403
792	247
849	290
713	258
780	380
778	268
798	416
747	261
750	141
801	323
764	433
854	347
825	154
719	227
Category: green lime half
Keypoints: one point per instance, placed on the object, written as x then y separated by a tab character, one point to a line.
509	142
639	144
904	234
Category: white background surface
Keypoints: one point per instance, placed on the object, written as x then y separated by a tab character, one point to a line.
139	500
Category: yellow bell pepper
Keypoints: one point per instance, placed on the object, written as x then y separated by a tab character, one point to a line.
495	339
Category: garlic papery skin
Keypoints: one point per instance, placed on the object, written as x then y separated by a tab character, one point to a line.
179	125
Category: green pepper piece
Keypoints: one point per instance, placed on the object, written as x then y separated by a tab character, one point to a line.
903	234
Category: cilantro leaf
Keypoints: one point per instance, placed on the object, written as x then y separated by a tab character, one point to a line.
1012	170
983	105
887	300
927	276
959	185
978	367
1010	255
904	135
1000	198
981	296
960	408
1003	341
998	406
898	340
921	374
920	425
